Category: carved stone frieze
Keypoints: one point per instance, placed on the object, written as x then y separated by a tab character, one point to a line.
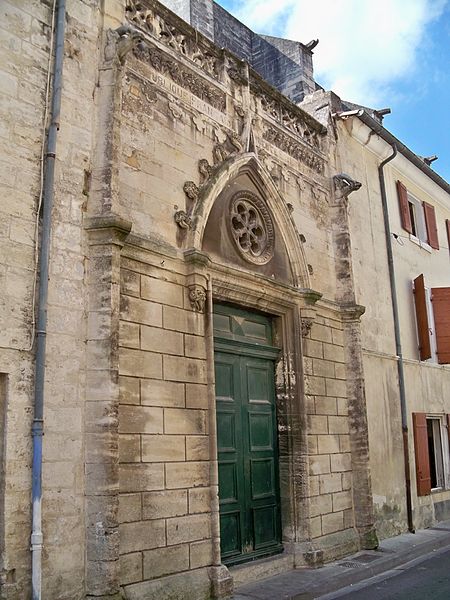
294	148
180	75
197	297
169	34
140	16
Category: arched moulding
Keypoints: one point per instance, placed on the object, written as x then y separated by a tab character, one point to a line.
249	164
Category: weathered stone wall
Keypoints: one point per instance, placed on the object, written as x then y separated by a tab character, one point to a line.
25	38
163	425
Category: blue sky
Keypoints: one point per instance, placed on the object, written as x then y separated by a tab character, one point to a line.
388	53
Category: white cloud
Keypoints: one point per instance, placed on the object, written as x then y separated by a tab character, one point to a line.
364	46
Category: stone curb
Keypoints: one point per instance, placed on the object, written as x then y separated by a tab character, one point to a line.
307	584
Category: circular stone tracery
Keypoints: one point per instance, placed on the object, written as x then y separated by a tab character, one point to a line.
251	228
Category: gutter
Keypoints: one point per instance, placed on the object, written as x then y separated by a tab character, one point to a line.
37	429
376	127
398	344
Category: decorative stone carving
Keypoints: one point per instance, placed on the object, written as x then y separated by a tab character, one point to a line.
191	190
120	41
183	220
205	170
238	73
294	148
231	146
197	297
170	35
139	16
176	110
251	228
181	75
306	325
345	185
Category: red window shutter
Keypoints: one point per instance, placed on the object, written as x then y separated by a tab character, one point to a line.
421	453
423	328
404	207
430	221
441	310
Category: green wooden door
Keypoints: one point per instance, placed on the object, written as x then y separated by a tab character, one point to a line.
247	436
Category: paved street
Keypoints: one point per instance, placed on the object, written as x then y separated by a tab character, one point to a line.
425	578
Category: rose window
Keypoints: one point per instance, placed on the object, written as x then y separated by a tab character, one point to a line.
251	228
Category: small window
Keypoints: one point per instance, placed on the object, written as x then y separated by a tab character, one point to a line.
435	453
431	449
418	219
418	226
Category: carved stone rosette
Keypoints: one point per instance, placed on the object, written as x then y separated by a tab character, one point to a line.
197	297
251	228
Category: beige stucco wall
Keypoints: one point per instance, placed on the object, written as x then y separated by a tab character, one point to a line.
427	383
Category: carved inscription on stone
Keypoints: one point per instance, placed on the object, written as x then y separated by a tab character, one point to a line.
180	75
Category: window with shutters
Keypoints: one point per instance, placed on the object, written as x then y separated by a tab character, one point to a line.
431	446
418	219
433	321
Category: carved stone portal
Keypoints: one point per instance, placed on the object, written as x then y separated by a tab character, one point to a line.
251	228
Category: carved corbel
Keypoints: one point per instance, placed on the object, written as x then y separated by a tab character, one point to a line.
306	325
183	220
344	185
197	278
197	297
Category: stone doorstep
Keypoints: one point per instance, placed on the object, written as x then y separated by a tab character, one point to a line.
261	569
306	583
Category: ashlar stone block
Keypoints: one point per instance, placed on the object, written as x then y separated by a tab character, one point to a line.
167	503
140	419
165	561
142	535
155	392
163	448
187	475
188	529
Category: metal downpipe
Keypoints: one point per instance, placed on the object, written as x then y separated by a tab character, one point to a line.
398	344
41	327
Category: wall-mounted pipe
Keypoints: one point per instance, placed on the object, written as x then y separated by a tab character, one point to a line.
41	327
398	343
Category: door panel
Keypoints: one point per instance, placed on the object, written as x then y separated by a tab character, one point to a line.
247	447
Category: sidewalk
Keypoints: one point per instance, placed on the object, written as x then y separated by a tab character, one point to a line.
307	584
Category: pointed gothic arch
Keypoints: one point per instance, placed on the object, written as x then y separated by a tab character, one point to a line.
249	164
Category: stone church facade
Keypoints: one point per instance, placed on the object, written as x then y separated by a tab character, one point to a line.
204	392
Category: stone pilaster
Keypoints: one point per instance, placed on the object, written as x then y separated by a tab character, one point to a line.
106	236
